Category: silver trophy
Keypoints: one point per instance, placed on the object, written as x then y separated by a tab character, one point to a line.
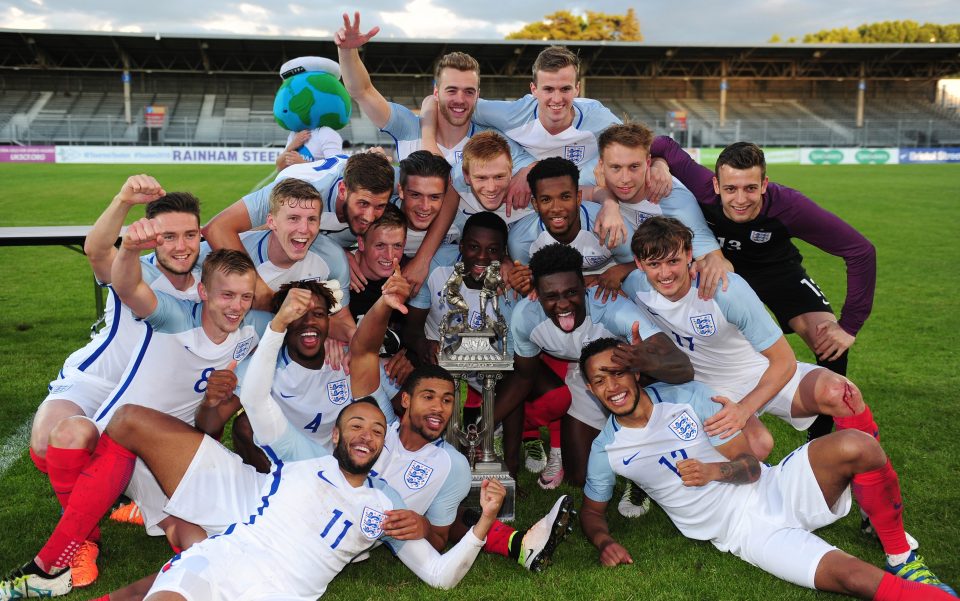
477	352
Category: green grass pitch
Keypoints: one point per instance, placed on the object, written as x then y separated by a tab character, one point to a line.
905	360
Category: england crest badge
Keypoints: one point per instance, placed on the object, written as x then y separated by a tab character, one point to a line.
338	392
703	325
417	475
371	523
684	426
760	237
475	321
574	153
242	349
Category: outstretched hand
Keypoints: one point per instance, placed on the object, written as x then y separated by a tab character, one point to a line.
349	37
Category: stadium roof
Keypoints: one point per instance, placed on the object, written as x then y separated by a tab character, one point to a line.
184	53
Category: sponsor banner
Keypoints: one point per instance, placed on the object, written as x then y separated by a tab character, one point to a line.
849	156
773	155
27	154
154	115
930	155
177	155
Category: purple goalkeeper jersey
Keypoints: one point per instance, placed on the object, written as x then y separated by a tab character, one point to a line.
762	246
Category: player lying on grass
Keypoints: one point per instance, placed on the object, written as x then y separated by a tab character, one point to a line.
717	490
737	350
61	446
317	516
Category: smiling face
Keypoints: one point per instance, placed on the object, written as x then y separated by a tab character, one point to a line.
615	386
429	407
489	180
378	248
457	93
359	208
422	197
295	226
557	201
625	171
358	437
563	298
670	276
741	192
478	248
555	91
181	242
306	335
225	302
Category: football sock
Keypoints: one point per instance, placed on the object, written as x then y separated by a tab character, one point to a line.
498	539
878	493
100	484
39	462
555	432
103	598
63	468
894	588
547	408
821	426
862	421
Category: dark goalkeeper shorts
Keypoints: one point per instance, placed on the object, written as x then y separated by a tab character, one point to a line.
789	293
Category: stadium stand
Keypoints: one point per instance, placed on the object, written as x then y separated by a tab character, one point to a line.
64	88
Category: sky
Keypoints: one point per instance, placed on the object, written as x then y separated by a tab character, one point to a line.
687	21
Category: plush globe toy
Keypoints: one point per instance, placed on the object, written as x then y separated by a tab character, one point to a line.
311	95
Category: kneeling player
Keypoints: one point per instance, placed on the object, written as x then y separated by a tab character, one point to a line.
715	490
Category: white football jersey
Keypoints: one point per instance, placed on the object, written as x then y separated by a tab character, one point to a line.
311	524
529	235
679	204
649	455
469	205
325	260
169	368
106	356
578	143
432	480
722	337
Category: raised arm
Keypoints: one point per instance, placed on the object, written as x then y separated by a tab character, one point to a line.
266	418
365	346
126	274
99	245
447	570
356	79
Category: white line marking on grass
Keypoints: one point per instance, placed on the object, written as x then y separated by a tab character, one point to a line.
14	445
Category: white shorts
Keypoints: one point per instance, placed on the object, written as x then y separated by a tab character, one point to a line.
775	533
146	492
781	405
583	405
217	490
204	573
85	390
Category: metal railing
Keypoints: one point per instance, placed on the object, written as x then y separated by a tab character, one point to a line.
262	131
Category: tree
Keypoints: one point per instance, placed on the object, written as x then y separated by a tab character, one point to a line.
888	32
593	26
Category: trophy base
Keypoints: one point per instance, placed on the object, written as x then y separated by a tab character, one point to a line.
494	470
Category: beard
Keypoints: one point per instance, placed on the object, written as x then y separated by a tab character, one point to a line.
342	454
163	263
